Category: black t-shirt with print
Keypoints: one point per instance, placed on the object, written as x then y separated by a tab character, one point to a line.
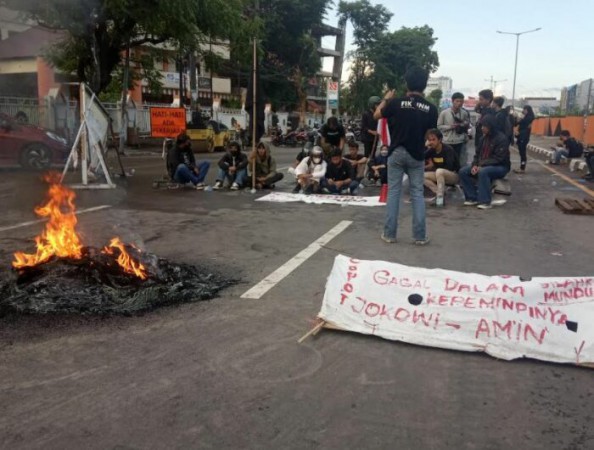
333	136
341	172
409	118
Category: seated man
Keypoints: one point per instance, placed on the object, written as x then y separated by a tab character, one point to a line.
340	176
305	152
232	166
357	160
378	166
181	163
266	174
491	162
567	147
441	165
310	172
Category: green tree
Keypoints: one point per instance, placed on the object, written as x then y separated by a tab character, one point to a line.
435	97
369	23
99	31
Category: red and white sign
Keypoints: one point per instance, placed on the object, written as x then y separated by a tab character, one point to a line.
383	132
543	318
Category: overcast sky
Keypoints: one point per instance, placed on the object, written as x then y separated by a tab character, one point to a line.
470	51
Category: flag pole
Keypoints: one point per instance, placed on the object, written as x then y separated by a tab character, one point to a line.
254	115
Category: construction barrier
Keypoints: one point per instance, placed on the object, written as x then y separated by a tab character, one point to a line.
580	127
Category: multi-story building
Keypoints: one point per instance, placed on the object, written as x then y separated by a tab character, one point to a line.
541	105
442	83
584	96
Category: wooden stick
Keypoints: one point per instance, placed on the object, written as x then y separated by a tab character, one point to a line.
315	330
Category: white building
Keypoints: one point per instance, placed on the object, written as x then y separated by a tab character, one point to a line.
443	83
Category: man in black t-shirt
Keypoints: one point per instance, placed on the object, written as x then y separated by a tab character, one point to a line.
369	125
441	165
484	109
333	135
340	176
409	118
357	160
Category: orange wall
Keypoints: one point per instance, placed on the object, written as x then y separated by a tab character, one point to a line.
45	78
547	126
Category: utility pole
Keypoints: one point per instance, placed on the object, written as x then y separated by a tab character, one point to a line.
493	83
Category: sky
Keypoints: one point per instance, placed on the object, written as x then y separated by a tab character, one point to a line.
471	51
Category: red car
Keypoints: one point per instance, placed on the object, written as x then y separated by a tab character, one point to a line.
30	146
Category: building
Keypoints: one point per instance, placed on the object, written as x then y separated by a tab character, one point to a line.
442	83
541	105
584	96
11	23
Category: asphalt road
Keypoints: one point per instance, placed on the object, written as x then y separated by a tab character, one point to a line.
229	373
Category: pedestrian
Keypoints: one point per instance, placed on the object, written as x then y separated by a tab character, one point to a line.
568	147
454	123
333	135
232	167
441	166
491	162
182	165
265	164
310	172
483	108
523	136
369	133
357	160
340	175
378	167
502	118
409	118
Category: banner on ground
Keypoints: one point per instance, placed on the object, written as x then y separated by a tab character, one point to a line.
318	199
508	317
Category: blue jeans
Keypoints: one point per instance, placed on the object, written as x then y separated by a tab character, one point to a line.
238	177
334	190
399	163
183	174
478	188
560	153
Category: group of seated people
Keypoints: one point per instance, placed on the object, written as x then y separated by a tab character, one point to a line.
334	173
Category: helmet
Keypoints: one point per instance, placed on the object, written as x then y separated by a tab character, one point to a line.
373	101
317	151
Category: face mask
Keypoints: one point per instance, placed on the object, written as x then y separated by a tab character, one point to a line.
317	160
384	153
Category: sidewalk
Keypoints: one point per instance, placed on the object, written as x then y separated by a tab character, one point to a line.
542	145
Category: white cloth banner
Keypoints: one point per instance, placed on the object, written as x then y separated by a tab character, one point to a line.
550	319
318	199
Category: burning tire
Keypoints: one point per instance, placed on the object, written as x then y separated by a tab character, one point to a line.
36	156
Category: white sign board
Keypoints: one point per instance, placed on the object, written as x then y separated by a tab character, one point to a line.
318	199
332	90
551	319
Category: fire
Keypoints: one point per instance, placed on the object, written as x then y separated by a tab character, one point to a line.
124	260
60	239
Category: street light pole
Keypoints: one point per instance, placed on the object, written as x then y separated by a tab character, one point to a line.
517	35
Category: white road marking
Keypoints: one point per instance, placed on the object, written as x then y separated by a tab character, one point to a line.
33	222
275	277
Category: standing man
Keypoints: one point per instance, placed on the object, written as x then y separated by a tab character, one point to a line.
369	125
409	118
454	123
333	135
484	109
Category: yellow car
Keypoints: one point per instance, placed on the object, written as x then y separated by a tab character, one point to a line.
213	138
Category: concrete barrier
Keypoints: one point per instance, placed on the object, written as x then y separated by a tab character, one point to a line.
575	164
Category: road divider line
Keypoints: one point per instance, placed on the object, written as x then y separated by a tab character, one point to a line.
279	274
33	222
568	179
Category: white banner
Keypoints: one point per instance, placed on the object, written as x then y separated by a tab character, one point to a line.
318	199
550	319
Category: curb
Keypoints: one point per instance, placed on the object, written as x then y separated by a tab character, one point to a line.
575	164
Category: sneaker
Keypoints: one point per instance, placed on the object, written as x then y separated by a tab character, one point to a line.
218	185
308	190
345	191
520	171
499	202
200	186
325	190
470	203
430	199
439	201
484	206
387	239
235	187
422	241
296	189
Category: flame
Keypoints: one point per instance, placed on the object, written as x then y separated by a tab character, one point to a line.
59	238
125	260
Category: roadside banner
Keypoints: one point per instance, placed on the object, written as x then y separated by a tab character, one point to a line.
167	122
318	199
507	317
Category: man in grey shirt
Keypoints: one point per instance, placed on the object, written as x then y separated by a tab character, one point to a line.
453	123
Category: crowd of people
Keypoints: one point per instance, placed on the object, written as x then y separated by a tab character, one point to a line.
428	147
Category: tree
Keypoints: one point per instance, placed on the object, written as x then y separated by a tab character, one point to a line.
99	31
435	97
369	22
